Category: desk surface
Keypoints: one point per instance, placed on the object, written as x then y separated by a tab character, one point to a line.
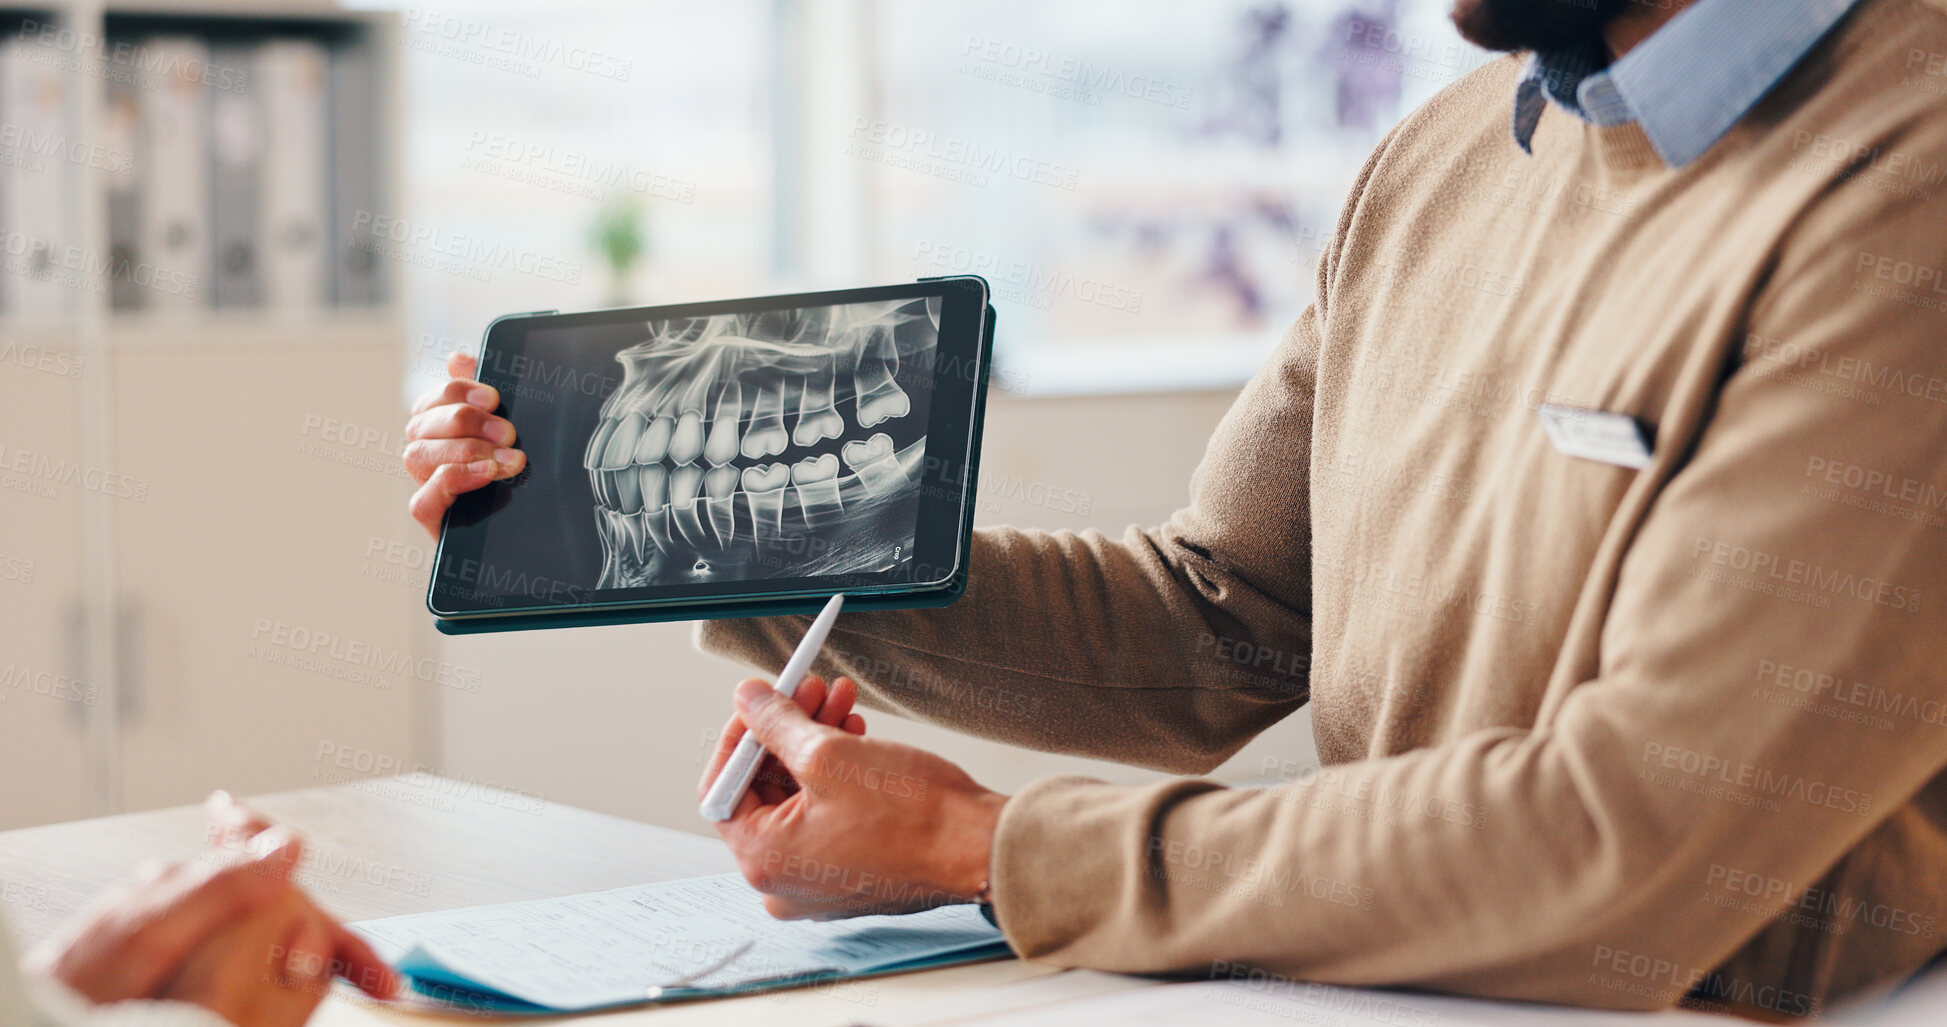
385	846
381	847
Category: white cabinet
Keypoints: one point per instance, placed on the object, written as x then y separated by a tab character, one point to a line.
259	637
46	699
198	508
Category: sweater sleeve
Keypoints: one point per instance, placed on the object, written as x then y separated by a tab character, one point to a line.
1565	863
1198	632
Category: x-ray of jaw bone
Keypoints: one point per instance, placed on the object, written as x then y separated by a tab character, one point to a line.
773	445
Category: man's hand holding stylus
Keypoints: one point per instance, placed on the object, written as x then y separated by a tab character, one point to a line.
842	825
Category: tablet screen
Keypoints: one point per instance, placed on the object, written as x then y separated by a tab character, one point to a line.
692	455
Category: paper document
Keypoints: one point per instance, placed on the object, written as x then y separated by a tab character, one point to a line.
682	939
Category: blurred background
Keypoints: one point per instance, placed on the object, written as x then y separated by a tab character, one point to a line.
238	236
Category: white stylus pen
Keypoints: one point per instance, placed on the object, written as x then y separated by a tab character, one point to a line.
731	784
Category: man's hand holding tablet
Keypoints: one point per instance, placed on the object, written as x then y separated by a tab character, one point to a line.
455	444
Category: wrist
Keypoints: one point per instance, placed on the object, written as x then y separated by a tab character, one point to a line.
967	851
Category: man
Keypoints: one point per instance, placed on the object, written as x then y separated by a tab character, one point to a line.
230	940
1595	506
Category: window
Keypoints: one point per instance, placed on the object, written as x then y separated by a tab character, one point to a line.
1145	184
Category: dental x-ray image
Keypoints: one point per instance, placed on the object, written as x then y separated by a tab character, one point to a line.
768	445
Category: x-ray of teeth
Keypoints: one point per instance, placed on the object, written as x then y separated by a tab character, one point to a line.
780	444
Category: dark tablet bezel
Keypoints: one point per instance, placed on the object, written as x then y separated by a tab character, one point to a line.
962	357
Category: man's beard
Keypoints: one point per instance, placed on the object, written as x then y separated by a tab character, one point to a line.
1534	24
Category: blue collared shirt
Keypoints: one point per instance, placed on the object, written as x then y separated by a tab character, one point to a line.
1689	82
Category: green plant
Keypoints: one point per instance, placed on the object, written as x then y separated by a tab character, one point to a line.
621	236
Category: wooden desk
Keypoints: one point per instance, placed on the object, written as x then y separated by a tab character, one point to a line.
401	845
386	846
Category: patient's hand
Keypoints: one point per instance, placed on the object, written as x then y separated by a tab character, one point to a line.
234	935
233	825
853	825
455	444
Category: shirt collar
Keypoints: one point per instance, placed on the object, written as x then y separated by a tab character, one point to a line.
1689	82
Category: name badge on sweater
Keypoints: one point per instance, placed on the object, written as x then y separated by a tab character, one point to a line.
1598	435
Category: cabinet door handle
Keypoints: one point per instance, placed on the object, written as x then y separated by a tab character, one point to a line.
74	661
80	670
128	658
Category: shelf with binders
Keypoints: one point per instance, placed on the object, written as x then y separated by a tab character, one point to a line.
260	146
195	158
41	288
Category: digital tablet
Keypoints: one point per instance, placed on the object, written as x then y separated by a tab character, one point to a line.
733	458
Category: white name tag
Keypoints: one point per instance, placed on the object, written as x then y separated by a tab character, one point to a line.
1598	435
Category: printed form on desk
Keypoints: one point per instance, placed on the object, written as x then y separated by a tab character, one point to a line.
693	938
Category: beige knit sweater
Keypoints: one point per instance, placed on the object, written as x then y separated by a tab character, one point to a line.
1592	735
